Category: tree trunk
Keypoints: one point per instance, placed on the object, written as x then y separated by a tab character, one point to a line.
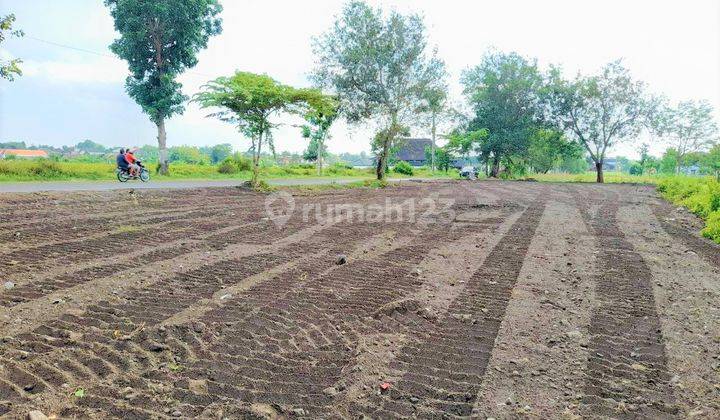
256	163
321	147
432	147
162	148
256	171
382	160
495	167
599	170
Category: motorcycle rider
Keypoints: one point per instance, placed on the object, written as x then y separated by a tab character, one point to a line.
122	163
130	158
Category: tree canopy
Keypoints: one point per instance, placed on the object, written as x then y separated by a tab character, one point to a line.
250	101
160	39
378	66
11	68
688	128
598	111
317	130
503	92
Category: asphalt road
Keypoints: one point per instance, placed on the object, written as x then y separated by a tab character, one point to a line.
28	187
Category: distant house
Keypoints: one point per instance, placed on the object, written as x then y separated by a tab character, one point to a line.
691	170
609	164
412	151
23	153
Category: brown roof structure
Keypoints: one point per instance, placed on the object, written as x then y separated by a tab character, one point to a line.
413	150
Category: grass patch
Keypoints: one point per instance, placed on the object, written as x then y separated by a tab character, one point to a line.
368	183
126	229
700	195
48	170
262	186
610	178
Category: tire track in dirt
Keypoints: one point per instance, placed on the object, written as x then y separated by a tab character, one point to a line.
444	369
90	338
173	341
216	235
49	286
286	348
146	307
687	289
54	280
194	256
64	230
112	241
626	372
541	347
443	274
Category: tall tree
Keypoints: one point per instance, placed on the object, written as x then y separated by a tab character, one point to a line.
434	106
688	128
251	101
318	131
503	91
599	111
160	39
379	66
9	69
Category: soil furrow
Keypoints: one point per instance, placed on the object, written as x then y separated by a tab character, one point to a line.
627	368
471	326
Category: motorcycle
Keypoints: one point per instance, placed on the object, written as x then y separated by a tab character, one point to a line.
468	172
123	175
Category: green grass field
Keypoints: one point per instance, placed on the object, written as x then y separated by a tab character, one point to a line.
610	177
46	170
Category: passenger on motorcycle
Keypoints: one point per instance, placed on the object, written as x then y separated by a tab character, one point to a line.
122	163
130	158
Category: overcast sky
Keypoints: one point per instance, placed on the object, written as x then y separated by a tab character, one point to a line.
68	95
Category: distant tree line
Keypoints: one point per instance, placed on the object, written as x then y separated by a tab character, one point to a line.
379	71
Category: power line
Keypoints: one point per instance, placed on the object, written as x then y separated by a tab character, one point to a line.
44	41
70	47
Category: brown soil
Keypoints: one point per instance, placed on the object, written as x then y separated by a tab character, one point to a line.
527	300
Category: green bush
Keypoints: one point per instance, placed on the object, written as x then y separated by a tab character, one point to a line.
636	169
403	167
341	169
700	195
227	168
235	164
46	169
712	227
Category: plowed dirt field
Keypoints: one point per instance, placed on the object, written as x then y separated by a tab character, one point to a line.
464	299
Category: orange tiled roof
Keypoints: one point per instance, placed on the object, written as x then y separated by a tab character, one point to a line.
24	152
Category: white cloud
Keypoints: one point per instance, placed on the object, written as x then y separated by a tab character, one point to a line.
84	71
